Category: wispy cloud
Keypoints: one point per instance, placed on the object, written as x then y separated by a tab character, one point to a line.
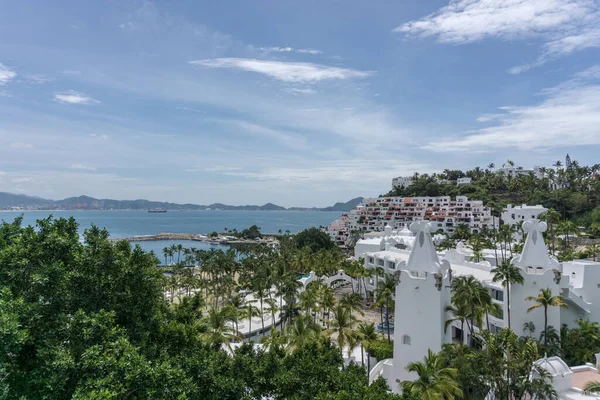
6	74
20	145
82	167
564	26
22	180
296	91
283	137
284	71
73	97
569	115
289	50
353	171
215	168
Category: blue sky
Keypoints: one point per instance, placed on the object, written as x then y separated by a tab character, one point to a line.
301	103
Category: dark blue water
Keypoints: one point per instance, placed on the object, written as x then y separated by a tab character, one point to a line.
136	223
157	246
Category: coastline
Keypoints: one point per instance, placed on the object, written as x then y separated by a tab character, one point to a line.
197	237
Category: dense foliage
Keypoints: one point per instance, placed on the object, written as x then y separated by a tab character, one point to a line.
90	320
315	239
574	192
99	319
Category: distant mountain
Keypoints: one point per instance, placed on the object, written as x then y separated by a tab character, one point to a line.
10	200
347	206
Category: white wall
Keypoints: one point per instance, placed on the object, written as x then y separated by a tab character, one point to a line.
531	287
420	315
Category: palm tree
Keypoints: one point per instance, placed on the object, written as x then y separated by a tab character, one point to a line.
236	303
367	334
544	300
272	308
508	275
468	292
248	312
327	302
594	249
566	227
302	331
552	217
592	387
460	313
342	324
434	382
219	331
352	301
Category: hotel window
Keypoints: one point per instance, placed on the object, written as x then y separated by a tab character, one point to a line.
406	340
498	295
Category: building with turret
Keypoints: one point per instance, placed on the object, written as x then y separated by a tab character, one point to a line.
424	292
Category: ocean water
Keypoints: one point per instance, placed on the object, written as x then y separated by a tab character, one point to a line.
137	223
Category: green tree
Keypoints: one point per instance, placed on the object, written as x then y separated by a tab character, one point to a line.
507	274
219	330
546	299
368	335
434	380
315	239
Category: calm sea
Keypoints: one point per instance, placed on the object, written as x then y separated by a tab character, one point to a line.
137	223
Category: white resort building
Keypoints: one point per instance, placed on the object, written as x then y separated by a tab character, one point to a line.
375	214
424	292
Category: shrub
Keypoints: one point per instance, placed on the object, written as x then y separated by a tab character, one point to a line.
382	349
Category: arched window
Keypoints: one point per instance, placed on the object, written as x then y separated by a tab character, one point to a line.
406	340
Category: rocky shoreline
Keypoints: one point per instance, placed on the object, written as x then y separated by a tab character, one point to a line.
198	237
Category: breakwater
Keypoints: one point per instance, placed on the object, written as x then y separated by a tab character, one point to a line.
199	237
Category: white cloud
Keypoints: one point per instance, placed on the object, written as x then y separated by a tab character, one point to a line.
309	51
6	74
94	135
82	167
284	138
348	172
73	97
22	180
295	91
289	50
20	145
568	116
215	168
564	26
284	71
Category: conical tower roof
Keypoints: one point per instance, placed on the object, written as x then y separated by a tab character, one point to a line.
535	252
423	256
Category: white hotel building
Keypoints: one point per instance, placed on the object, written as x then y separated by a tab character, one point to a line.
374	214
424	292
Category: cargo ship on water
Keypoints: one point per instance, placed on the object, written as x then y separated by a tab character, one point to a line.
157	211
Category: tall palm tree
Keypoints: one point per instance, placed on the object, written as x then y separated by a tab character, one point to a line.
508	275
342	324
468	292
352	301
272	308
544	300
552	217
460	312
327	302
594	249
367	335
248	312
434	382
236	304
301	331
219	331
566	227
